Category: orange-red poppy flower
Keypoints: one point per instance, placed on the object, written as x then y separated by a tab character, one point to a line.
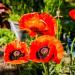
41	23
72	14
16	53
46	48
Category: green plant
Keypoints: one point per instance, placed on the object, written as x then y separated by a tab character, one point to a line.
6	36
52	5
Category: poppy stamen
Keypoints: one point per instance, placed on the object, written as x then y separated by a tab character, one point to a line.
43	52
16	55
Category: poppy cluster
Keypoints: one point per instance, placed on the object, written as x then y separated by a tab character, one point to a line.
72	14
44	48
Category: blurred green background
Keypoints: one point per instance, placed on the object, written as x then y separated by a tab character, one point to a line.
20	7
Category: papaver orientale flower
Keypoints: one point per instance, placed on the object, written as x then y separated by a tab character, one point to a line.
16	53
72	14
38	23
46	48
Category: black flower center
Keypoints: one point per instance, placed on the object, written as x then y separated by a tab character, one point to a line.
42	53
16	54
36	30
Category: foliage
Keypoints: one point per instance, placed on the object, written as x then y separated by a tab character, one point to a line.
6	36
24	6
14	17
51	6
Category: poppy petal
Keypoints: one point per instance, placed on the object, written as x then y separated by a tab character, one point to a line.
25	18
50	23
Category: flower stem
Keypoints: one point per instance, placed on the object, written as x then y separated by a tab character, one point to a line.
46	69
72	46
